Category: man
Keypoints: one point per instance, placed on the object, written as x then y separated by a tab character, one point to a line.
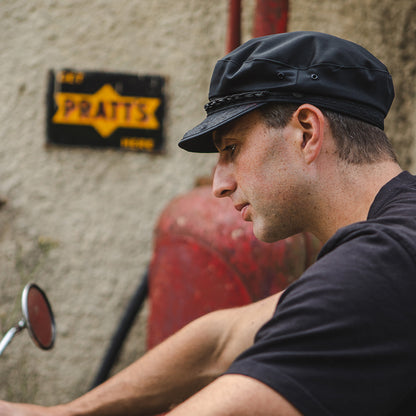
297	120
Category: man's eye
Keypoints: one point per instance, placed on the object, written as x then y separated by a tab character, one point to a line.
230	148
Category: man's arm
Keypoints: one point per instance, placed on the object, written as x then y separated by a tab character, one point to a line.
236	395
172	371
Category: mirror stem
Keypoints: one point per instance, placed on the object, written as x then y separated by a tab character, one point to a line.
10	334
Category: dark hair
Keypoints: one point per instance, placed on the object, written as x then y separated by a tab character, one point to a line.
357	142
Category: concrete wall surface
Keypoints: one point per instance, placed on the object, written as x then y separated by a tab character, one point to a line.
79	221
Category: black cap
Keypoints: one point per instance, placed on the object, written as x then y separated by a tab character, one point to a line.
295	67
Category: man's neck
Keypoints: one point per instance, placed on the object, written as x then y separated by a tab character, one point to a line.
349	194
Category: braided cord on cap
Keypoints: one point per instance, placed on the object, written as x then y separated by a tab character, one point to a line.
351	108
241	98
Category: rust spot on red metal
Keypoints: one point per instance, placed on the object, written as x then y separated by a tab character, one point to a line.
271	17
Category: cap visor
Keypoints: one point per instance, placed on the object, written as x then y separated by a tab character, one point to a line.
199	139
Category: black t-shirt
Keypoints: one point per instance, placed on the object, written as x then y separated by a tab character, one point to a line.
343	338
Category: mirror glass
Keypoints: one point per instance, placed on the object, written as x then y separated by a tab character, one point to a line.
39	316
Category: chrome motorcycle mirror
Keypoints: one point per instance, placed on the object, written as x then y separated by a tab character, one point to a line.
38	318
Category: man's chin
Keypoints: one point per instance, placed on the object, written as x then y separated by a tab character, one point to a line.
269	237
261	235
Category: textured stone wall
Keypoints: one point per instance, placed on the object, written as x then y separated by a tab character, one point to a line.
80	221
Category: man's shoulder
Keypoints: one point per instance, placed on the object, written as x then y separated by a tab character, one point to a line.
396	197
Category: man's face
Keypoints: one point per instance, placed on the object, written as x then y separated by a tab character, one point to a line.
261	170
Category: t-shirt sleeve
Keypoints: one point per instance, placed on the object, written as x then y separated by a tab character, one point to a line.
342	340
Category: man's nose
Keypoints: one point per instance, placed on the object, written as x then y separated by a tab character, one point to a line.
223	183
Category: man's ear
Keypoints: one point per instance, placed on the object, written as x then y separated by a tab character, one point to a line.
311	121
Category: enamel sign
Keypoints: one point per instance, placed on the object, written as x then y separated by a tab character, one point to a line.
101	109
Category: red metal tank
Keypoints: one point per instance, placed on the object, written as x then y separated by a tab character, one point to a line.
206	258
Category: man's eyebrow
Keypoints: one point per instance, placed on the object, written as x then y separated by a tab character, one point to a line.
218	135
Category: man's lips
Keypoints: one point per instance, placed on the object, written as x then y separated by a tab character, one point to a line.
243	209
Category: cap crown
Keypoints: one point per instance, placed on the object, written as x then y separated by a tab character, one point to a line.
303	65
